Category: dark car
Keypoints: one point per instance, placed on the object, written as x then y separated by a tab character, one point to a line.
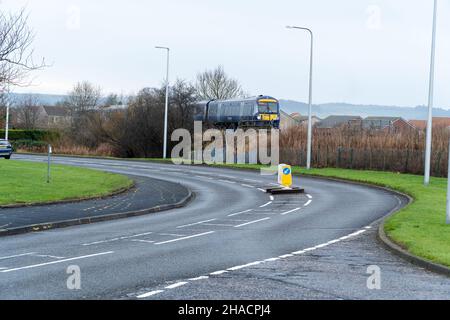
5	149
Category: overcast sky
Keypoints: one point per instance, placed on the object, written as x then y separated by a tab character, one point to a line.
368	52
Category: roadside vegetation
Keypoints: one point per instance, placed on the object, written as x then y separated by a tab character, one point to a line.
26	183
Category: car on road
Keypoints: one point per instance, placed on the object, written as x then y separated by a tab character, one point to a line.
5	149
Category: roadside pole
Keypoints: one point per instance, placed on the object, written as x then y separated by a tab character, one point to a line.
7	122
49	162
448	186
429	134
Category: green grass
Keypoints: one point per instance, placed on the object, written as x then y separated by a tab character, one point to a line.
26	183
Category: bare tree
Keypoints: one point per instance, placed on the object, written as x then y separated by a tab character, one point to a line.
16	54
84	96
28	113
216	84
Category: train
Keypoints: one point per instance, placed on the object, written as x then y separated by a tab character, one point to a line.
257	112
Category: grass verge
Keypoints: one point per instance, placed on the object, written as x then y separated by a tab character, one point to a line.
26	183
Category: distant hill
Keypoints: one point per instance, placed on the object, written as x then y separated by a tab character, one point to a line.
45	99
327	109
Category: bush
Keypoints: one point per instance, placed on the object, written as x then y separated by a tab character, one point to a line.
34	135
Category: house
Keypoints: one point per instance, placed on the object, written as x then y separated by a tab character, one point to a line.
390	124
55	117
438	122
287	121
304	119
337	121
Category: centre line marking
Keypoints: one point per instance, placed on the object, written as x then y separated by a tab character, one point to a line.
59	261
293	210
18	255
254	221
246	185
184	238
195	223
226	181
272	198
307	203
235	214
148	294
309	196
265	205
176	285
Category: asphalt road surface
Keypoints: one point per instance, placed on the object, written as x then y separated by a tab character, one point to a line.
231	226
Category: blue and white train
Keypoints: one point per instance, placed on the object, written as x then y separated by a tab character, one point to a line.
260	112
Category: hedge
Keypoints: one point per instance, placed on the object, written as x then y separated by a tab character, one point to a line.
34	135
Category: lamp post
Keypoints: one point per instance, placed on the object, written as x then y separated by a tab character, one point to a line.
166	109
430	102
7	121
309	144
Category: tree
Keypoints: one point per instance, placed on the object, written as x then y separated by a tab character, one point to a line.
83	97
28	113
216	84
16	54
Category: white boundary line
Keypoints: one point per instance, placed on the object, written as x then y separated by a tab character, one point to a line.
184	238
250	222
59	261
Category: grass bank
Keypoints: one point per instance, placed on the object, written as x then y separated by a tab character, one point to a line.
25	183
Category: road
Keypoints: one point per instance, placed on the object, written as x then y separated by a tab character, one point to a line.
229	226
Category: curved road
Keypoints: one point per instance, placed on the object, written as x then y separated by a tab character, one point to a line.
231	224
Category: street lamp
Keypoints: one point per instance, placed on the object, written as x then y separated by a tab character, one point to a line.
308	152
167	103
7	121
430	102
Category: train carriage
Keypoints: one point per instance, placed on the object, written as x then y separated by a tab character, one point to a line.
261	111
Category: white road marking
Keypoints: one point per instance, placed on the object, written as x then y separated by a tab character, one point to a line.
271	259
272	198
218	224
149	294
184	238
18	255
309	196
235	214
226	181
261	189
266	204
307	203
117	239
176	285
286	256
198	278
293	210
246	185
171	234
140	240
254	221
47	256
195	223
58	261
216	273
